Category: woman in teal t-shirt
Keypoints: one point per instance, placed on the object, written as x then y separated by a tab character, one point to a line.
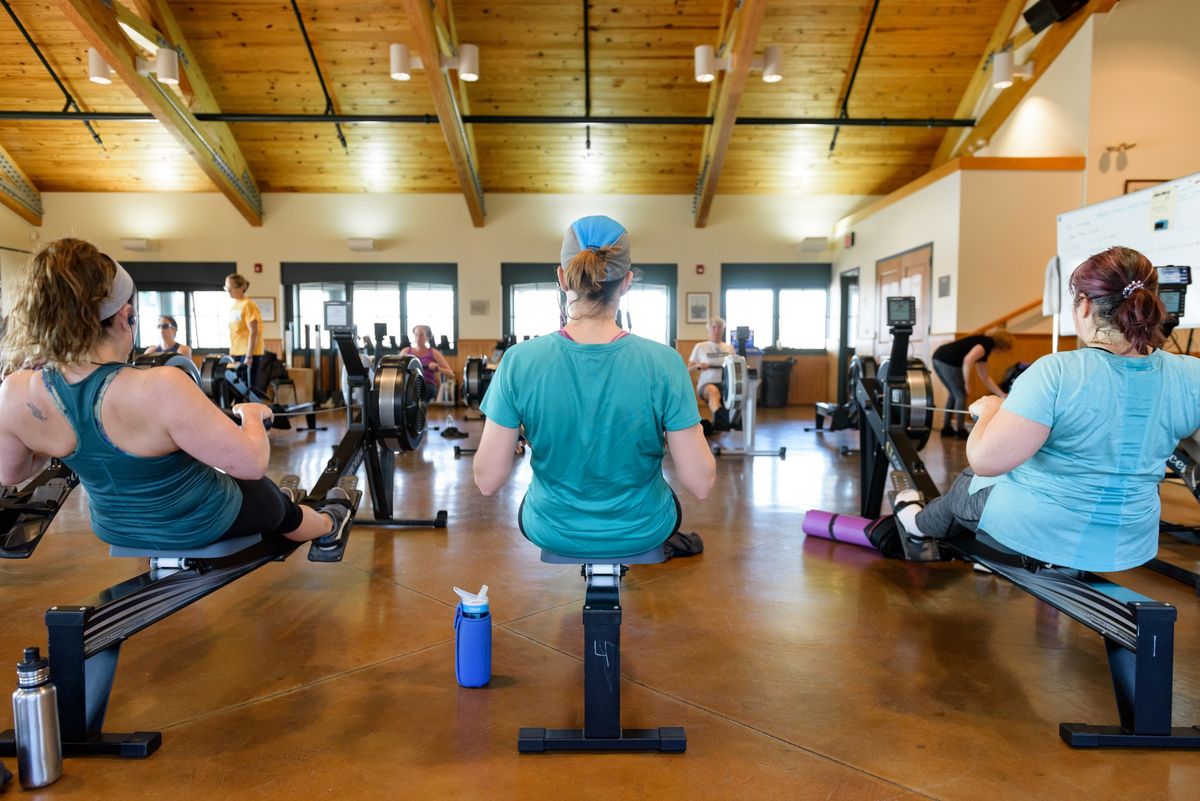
164	468
597	405
1066	469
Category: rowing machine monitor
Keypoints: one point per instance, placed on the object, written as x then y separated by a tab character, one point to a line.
901	312
339	317
1173	281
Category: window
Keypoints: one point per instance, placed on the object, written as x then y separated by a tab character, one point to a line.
376	302
310	300
431	305
754	308
397	295
152	305
802	319
210	319
535	309
646	308
785	305
532	297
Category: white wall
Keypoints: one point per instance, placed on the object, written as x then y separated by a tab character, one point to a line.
1008	232
1145	90
437	228
929	215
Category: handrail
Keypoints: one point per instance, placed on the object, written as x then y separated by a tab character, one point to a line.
1000	321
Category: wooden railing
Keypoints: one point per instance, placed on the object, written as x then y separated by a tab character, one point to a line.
1002	321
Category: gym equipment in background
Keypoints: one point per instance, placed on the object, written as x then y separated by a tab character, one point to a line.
739	395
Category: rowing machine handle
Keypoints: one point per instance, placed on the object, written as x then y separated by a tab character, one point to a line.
238	420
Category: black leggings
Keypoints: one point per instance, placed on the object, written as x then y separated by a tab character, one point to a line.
265	510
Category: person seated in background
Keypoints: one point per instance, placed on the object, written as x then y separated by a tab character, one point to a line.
167	328
953	363
598	404
707	359
164	468
1066	468
433	363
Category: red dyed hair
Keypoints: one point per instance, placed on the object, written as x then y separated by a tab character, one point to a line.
1122	285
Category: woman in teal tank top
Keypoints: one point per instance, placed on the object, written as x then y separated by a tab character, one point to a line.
597	406
163	467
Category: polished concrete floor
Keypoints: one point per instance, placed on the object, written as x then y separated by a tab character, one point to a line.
801	669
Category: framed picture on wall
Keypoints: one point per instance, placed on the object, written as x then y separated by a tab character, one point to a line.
698	307
267	307
1133	184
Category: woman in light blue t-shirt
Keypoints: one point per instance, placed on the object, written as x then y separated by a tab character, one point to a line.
1066	469
598	405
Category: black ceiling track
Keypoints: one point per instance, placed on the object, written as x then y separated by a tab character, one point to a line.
317	67
494	119
862	48
70	101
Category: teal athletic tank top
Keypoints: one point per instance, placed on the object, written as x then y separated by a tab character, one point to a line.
158	502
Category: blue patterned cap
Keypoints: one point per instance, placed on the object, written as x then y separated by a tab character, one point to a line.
597	232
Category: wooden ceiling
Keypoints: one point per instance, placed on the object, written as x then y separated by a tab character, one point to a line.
918	60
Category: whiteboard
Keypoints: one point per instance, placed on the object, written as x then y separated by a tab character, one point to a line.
1163	222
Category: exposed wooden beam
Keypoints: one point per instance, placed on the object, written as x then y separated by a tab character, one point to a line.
422	18
981	78
211	144
145	25
17	192
1052	42
448	39
712	158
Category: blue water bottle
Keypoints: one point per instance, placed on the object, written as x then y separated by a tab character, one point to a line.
473	638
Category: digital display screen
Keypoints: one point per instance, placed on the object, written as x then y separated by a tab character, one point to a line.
337	314
1173	300
901	311
1175	275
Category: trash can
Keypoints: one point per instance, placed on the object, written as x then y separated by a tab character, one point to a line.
777	377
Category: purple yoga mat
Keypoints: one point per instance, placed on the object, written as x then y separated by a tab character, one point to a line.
840	528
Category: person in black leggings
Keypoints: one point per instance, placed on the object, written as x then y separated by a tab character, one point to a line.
953	363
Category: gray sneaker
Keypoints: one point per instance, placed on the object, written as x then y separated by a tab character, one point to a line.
337	506
290	486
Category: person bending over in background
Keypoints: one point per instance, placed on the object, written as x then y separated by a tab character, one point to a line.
245	326
953	363
1066	469
167	328
163	466
707	359
432	361
597	404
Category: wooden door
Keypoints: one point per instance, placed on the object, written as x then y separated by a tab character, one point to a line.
905	273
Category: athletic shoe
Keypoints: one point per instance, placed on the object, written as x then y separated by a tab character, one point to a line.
721	419
337	506
290	487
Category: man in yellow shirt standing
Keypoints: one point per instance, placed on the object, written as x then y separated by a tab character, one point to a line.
245	325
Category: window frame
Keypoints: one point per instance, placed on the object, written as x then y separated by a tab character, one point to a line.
293	274
180	276
775	277
513	274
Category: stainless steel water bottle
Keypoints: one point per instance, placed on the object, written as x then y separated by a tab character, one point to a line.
35	718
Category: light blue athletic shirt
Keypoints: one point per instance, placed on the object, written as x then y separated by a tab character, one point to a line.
594	416
1089	497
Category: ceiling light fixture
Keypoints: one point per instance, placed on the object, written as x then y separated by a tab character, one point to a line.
708	64
1004	72
98	69
362	244
402	62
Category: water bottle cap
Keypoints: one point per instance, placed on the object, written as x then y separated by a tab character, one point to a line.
474	602
33	661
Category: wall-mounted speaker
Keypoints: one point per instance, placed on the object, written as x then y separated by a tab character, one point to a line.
1044	13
